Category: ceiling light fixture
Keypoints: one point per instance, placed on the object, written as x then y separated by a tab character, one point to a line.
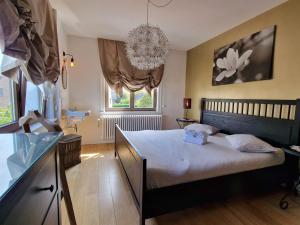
147	45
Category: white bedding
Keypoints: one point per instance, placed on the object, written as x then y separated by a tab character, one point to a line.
171	161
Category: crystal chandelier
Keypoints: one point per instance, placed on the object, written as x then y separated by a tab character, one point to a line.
147	45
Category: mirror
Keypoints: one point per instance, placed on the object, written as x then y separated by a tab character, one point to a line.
64	74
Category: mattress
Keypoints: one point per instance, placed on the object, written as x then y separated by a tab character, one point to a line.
171	161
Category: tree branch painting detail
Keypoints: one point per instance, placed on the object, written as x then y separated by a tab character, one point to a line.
249	59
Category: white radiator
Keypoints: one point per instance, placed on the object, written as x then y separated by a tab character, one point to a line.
128	123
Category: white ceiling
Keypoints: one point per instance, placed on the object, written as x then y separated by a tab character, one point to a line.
186	23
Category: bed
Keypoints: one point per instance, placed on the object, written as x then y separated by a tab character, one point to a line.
165	174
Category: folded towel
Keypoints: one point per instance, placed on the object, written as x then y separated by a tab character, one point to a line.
195	137
202	127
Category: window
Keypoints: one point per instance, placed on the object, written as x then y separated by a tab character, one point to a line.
16	99
33	99
131	101
8	98
143	100
8	109
116	102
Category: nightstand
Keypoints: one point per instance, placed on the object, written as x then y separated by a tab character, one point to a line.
182	122
283	202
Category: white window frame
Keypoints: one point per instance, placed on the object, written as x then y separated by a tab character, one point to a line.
131	103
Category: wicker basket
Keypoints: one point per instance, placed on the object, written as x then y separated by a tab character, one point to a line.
70	150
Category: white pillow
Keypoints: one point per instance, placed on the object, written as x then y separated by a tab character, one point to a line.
210	130
249	143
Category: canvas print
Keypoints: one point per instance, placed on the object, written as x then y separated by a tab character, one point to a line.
249	59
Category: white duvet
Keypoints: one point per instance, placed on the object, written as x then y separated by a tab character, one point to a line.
171	161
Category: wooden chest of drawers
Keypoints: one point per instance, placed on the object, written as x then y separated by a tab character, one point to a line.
34	199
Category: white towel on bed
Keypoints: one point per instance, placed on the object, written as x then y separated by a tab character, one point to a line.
195	137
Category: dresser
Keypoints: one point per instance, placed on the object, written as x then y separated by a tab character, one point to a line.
29	179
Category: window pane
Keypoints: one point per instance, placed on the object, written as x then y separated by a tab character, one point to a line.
7	108
118	102
33	98
142	99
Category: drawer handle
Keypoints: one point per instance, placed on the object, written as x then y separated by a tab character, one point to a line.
51	188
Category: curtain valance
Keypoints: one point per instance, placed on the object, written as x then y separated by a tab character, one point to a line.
118	71
28	33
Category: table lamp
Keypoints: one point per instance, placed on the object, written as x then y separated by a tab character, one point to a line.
187	104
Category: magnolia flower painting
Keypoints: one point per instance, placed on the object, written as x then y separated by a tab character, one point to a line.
249	59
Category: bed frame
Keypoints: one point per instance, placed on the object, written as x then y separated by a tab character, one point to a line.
276	121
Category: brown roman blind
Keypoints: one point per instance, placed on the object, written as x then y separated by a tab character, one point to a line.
119	72
28	33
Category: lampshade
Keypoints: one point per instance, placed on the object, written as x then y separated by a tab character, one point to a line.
187	103
72	64
65	55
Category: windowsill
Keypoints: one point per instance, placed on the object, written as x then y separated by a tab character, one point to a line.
130	113
35	128
10	128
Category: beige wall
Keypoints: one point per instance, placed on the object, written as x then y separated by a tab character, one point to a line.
173	88
84	85
62	45
286	77
86	89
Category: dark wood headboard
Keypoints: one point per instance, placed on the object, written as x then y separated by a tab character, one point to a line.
275	121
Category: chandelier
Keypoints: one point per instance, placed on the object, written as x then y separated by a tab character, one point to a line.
147	45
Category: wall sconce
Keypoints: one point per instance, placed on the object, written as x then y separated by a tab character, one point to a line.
72	64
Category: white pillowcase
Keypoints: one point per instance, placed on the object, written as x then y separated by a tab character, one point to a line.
249	143
210	130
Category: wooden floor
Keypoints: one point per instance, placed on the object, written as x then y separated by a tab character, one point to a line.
100	196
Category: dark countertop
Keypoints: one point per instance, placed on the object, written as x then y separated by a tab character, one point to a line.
18	153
